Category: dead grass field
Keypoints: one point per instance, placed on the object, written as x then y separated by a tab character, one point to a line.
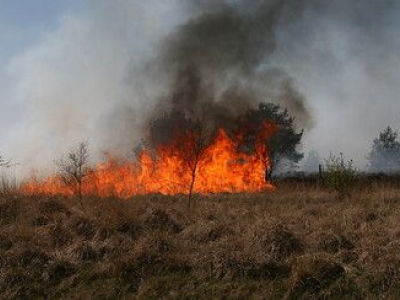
295	243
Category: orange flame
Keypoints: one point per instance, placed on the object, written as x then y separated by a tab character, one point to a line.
220	168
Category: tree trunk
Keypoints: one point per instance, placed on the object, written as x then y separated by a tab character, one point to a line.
269	168
80	193
192	183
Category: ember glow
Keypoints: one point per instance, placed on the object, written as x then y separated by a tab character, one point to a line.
219	168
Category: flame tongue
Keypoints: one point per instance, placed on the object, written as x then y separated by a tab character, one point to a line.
217	168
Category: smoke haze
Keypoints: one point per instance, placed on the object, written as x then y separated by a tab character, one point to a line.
109	66
218	61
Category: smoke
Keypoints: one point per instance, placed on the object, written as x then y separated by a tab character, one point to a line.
87	80
110	67
345	58
218	61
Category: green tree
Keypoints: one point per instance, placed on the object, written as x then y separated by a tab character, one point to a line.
281	141
385	153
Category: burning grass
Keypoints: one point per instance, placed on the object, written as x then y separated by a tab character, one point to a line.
297	243
190	163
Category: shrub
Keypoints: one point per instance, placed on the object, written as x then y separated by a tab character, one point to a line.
340	174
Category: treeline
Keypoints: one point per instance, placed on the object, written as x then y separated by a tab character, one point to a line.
383	158
283	157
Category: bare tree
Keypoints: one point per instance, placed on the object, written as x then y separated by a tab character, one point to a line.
193	152
191	143
4	163
74	168
188	137
7	184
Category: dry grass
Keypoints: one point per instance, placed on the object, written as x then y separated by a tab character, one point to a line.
296	243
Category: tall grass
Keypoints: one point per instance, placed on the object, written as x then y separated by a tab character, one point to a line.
299	242
9	183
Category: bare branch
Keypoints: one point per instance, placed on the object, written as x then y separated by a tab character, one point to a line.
192	149
74	168
5	163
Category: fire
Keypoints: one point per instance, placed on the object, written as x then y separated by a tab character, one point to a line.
218	167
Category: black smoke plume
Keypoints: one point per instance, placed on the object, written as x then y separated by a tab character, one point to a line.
219	63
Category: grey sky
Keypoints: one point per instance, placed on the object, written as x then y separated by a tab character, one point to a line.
57	55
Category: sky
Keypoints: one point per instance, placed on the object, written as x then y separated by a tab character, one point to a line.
23	24
74	70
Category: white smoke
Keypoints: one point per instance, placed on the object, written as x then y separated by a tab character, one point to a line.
87	80
345	56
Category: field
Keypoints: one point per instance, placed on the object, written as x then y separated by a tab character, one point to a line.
298	242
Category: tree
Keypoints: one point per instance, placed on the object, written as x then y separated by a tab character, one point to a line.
385	153
4	163
188	137
193	150
278	135
6	183
74	168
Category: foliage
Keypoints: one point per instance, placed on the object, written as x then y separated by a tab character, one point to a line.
282	142
385	154
340	174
